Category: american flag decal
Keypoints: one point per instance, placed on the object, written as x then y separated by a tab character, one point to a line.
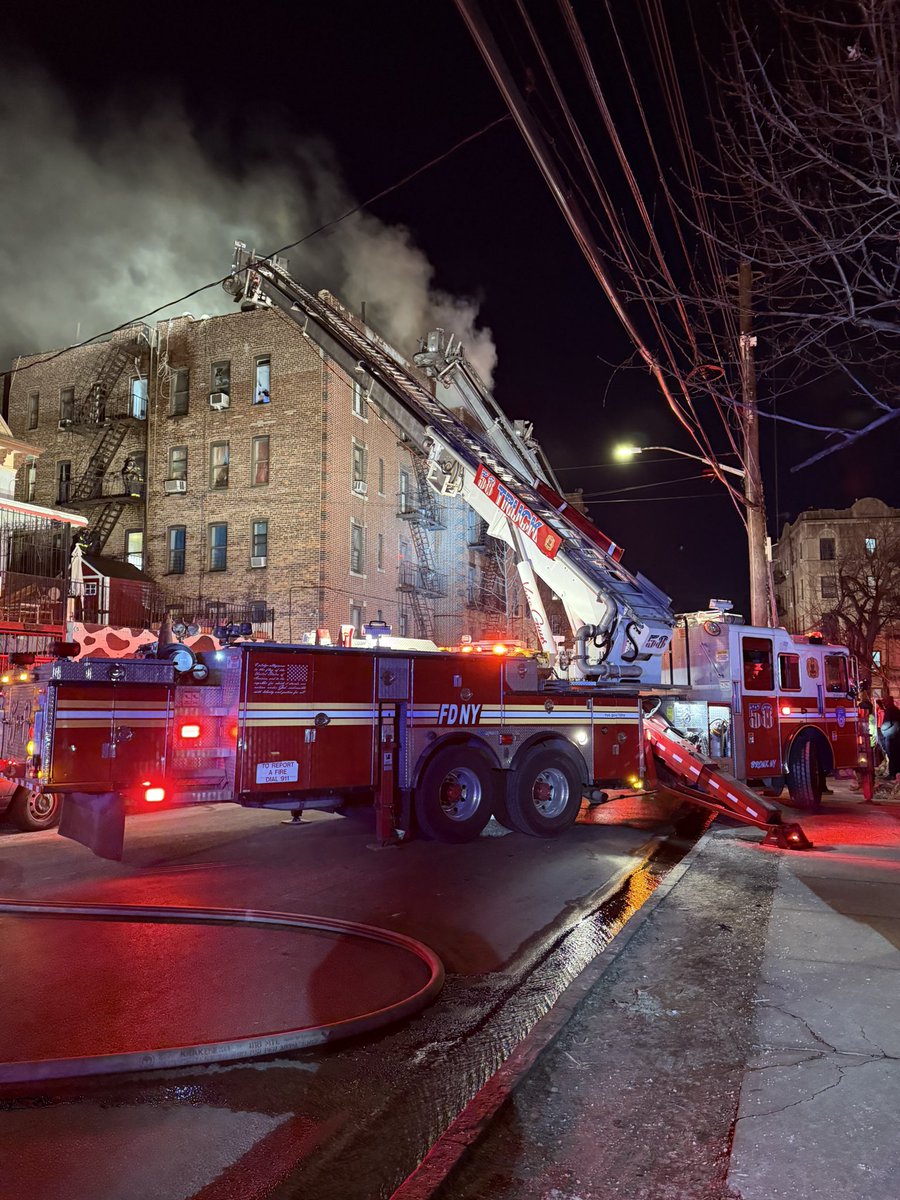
298	676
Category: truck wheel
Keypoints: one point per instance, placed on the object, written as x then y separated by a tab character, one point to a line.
544	794
806	778
455	795
34	810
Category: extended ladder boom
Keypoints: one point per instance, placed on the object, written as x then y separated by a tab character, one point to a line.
622	622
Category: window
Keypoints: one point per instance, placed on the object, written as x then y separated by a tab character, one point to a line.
871	545
259	539
404	490
836	678
176	542
134	548
67	404
380	552
876	658
30	478
261	393
471	584
220	377
826	549
359	405
181	387
475	528
258	613
178	460
218	546
34	409
381	477
789	672
63	482
357	548
259	461
139	399
358	471
828	587
218	465
758	672
404	623
356	618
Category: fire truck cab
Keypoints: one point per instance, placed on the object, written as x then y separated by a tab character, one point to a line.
768	706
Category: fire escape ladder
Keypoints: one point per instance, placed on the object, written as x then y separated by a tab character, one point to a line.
96	385
493	578
99	530
428	504
100	456
422	615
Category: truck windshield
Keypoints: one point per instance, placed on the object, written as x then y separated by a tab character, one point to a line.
836	678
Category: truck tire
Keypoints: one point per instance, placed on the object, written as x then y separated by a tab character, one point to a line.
455	795
806	777
33	810
545	791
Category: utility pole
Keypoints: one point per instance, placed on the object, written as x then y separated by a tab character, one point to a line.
760	609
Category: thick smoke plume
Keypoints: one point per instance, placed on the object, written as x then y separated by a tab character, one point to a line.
101	223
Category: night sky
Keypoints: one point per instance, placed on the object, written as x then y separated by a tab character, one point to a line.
380	89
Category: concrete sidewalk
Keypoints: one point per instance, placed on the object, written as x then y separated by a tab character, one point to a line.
745	1044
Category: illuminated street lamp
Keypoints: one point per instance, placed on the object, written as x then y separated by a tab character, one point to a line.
625	453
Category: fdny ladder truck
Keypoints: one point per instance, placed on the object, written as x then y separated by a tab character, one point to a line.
439	741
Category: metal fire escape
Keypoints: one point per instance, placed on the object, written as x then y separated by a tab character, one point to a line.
100	414
421	581
490	596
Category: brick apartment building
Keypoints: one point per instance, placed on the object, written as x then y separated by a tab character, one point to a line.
809	554
236	465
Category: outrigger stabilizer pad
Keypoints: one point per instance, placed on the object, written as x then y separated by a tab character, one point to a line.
787	837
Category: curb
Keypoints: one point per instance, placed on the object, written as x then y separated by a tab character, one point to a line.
472	1122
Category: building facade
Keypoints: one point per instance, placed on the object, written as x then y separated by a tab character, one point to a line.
240	467
811	552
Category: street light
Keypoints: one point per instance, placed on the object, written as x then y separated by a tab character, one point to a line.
625	453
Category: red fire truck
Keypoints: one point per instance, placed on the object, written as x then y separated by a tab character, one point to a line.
442	741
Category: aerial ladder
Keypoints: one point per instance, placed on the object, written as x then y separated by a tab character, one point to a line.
621	622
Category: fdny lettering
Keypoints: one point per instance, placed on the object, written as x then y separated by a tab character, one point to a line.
546	539
459	714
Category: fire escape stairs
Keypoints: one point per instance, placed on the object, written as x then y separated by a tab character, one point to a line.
424	516
100	456
492	597
98	532
96	385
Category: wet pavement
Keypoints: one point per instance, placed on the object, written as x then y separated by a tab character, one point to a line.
514	920
742	1045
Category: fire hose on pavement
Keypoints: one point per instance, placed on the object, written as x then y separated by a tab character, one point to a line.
278	1041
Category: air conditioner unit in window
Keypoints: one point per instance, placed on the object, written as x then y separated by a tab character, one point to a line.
259	560
360	487
219	400
173	486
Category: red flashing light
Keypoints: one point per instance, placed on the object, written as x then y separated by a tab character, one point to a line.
190	732
233	732
786	710
499	648
465	649
154	795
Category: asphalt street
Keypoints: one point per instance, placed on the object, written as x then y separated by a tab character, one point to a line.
514	919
